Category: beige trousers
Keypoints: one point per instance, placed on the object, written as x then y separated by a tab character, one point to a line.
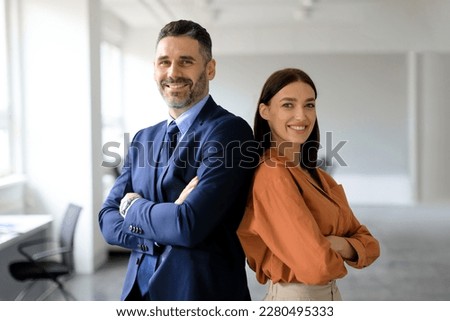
302	292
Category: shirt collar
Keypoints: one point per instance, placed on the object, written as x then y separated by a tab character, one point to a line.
185	120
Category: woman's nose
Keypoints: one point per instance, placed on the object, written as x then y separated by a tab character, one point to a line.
300	113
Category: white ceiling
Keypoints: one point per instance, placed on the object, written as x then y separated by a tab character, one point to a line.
236	13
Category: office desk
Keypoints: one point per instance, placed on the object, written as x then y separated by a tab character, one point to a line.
15	229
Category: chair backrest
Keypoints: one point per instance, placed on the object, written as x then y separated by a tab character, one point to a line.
67	233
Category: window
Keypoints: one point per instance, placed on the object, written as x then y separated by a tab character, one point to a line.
112	110
112	89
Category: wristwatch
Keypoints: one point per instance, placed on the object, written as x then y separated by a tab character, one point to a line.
124	205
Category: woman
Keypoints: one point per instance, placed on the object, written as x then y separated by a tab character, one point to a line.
298	229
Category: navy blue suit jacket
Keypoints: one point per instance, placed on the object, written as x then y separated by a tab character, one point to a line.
203	257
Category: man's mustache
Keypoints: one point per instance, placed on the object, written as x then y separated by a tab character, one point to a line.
180	80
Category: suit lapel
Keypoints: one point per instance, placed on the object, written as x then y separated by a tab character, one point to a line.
155	159
205	114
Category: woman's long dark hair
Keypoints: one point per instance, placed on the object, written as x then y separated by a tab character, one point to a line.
272	86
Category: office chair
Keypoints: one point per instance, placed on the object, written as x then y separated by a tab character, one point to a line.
38	266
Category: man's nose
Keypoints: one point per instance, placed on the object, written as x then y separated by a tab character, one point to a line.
173	71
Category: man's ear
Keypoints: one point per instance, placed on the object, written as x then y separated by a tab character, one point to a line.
211	69
264	111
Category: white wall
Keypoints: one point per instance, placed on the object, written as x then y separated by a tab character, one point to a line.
61	108
434	117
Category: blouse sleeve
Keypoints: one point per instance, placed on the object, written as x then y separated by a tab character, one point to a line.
286	226
365	245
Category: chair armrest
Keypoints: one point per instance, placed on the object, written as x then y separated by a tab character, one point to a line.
27	244
51	252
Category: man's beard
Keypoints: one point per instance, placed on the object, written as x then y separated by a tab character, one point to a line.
194	94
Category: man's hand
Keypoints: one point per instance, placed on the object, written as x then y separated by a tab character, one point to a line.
126	202
187	190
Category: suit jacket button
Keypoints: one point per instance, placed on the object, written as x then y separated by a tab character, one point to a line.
130	227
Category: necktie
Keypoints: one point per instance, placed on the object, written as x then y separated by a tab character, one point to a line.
172	137
168	145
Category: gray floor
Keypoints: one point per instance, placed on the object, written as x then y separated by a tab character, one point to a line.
414	264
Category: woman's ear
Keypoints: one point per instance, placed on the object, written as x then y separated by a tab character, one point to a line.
264	111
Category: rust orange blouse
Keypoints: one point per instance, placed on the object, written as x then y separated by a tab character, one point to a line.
287	218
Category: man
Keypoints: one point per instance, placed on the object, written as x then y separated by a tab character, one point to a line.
179	216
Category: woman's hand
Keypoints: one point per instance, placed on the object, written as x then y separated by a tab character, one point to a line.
187	190
342	247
